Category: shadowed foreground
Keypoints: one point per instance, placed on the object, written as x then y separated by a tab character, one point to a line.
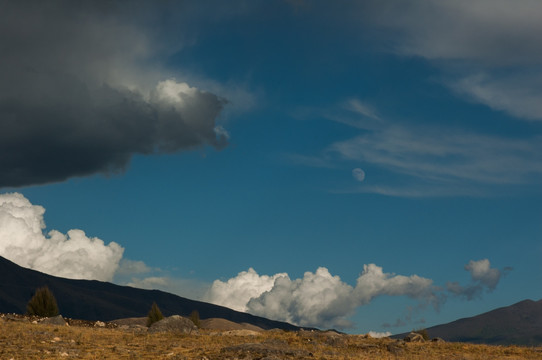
27	340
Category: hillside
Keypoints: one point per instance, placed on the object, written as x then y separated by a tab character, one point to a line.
518	324
96	300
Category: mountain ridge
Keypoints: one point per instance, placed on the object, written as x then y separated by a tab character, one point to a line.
516	324
97	300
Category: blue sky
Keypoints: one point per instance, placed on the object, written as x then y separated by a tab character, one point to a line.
302	140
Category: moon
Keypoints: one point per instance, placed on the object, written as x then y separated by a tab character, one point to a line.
358	174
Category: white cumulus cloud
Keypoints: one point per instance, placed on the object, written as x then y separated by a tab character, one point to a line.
378	335
318	299
73	255
237	292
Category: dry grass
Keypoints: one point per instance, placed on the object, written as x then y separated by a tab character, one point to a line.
24	340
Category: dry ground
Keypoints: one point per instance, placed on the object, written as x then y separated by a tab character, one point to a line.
25	340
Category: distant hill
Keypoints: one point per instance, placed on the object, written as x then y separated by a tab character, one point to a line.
518	324
96	300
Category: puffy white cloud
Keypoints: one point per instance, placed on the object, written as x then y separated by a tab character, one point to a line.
322	300
378	335
72	255
374	282
237	292
318	299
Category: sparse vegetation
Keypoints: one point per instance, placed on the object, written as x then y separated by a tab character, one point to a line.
43	303
423	333
154	314
194	316
24	340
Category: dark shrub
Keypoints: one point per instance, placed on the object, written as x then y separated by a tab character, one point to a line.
154	315
194	316
43	303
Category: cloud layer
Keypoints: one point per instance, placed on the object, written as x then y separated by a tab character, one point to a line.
322	300
318	299
421	160
82	92
451	161
72	255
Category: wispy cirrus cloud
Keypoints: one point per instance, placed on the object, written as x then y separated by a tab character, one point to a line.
445	156
427	160
489	51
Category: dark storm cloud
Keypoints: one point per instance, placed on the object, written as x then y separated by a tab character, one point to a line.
81	92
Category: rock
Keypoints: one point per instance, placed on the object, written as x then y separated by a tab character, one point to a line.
133	328
174	323
13	317
438	340
414	337
142	321
99	324
55	320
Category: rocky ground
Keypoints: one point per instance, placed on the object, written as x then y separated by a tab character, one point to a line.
24	337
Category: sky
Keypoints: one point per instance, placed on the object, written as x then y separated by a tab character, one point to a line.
358	165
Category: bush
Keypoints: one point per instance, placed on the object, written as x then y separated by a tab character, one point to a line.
154	315
43	303
423	333
194	316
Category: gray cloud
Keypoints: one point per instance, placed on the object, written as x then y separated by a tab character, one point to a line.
492	46
81	92
518	93
491	32
483	276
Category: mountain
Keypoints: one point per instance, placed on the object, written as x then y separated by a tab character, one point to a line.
518	324
96	300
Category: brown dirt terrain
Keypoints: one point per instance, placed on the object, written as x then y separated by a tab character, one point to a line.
22	339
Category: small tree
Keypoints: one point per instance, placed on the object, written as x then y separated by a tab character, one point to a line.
43	303
154	314
194	316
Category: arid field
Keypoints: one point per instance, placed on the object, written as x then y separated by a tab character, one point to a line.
22	339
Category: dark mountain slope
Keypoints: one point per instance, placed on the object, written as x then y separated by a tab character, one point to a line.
96	300
518	324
